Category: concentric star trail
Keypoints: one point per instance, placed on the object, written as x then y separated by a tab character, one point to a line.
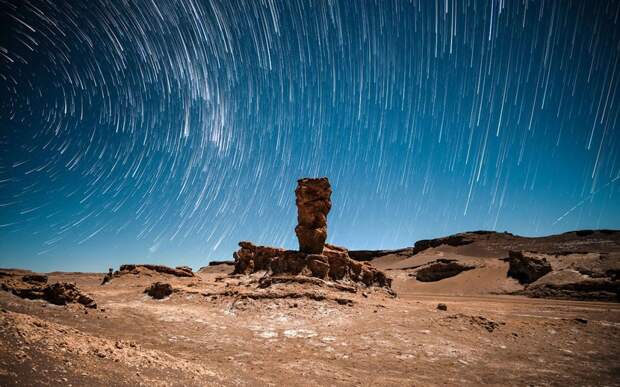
167	131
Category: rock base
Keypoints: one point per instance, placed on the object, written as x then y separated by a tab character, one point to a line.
333	264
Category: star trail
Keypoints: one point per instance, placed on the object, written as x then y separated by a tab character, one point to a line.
167	131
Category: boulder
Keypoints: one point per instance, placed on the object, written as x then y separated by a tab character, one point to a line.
159	290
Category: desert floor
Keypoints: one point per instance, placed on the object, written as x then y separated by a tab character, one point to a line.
202	335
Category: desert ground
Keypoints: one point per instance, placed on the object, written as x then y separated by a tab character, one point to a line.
217	327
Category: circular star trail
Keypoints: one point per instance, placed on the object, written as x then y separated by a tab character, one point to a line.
168	131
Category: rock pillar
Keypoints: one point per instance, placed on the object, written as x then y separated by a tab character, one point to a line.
313	198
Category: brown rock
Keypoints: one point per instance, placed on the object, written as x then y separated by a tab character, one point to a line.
62	293
313	199
318	265
108	277
59	293
440	269
159	290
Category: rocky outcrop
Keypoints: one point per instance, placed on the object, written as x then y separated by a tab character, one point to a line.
369	255
59	293
313	199
527	267
571	284
159	290
62	293
180	271
441	269
218	263
334	264
452	240
314	258
185	269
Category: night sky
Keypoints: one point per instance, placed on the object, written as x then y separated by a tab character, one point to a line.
167	131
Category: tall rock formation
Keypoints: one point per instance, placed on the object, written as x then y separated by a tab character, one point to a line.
313	198
314	258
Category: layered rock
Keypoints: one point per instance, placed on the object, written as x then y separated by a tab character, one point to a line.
313	199
334	264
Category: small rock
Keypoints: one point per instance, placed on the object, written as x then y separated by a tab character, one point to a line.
443	307
344	301
581	320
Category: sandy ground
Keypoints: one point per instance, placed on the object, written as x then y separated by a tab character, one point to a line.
201	335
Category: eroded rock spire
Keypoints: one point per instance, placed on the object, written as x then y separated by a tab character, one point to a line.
313	198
